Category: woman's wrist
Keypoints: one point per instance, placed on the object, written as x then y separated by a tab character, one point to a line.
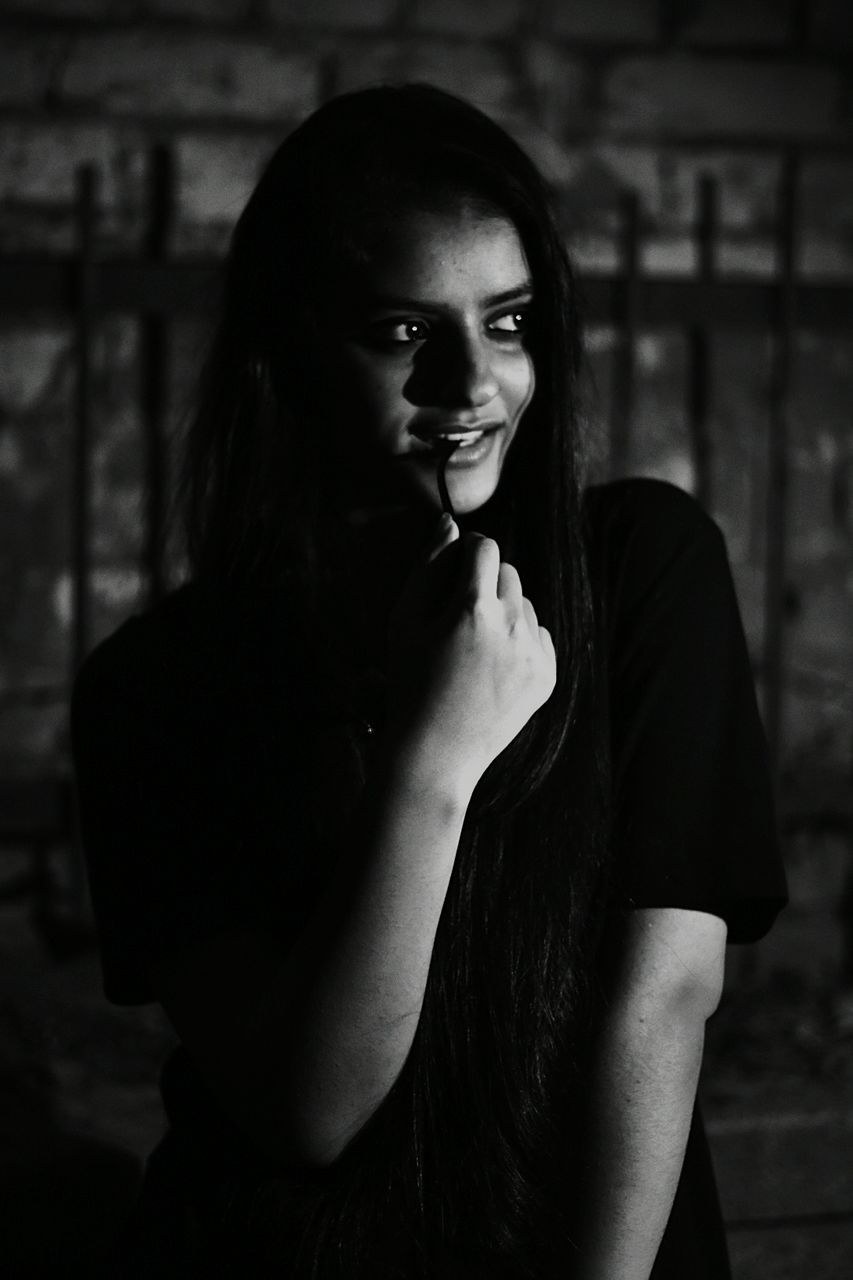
416	766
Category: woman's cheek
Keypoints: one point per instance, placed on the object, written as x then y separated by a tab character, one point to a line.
520	382
366	396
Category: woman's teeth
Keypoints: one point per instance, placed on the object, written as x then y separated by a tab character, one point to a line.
464	439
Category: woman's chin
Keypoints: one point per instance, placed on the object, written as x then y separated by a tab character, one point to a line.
469	493
468	489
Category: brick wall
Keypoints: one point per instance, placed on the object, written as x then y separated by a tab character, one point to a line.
609	97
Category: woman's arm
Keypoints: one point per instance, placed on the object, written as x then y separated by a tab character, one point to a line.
668	983
300	1050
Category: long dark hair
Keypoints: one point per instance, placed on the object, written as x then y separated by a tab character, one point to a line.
459	1160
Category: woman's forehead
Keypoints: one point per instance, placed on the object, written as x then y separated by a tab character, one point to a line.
430	254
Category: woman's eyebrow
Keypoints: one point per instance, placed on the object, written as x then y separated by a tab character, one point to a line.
398	302
521	292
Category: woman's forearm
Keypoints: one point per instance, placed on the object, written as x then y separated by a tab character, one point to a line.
643	1092
645	1072
366	956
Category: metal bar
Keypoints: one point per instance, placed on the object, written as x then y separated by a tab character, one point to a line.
30	285
86	302
698	348
625	353
799	1221
777	466
800	25
174	287
153	373
722	304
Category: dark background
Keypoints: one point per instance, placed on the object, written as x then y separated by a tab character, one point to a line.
610	98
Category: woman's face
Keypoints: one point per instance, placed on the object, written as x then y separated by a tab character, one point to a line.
426	339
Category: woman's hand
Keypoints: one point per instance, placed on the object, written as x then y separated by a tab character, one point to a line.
468	662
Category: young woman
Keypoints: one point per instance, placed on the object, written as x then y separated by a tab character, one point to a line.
426	833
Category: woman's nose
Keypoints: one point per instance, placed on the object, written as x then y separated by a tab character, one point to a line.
470	380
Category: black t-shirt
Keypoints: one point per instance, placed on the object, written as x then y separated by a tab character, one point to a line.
693	807
203	758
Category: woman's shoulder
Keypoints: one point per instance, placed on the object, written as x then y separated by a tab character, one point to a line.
649	541
640	506
145	645
193	639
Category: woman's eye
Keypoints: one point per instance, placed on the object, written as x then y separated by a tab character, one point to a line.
510	322
405	330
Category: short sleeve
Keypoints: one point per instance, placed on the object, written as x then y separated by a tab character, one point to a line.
693	814
189	795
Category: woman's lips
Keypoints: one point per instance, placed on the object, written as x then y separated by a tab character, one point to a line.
471	446
469	455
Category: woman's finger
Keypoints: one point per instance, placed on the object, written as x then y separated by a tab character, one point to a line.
547	642
482	563
445	532
509	588
530	615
